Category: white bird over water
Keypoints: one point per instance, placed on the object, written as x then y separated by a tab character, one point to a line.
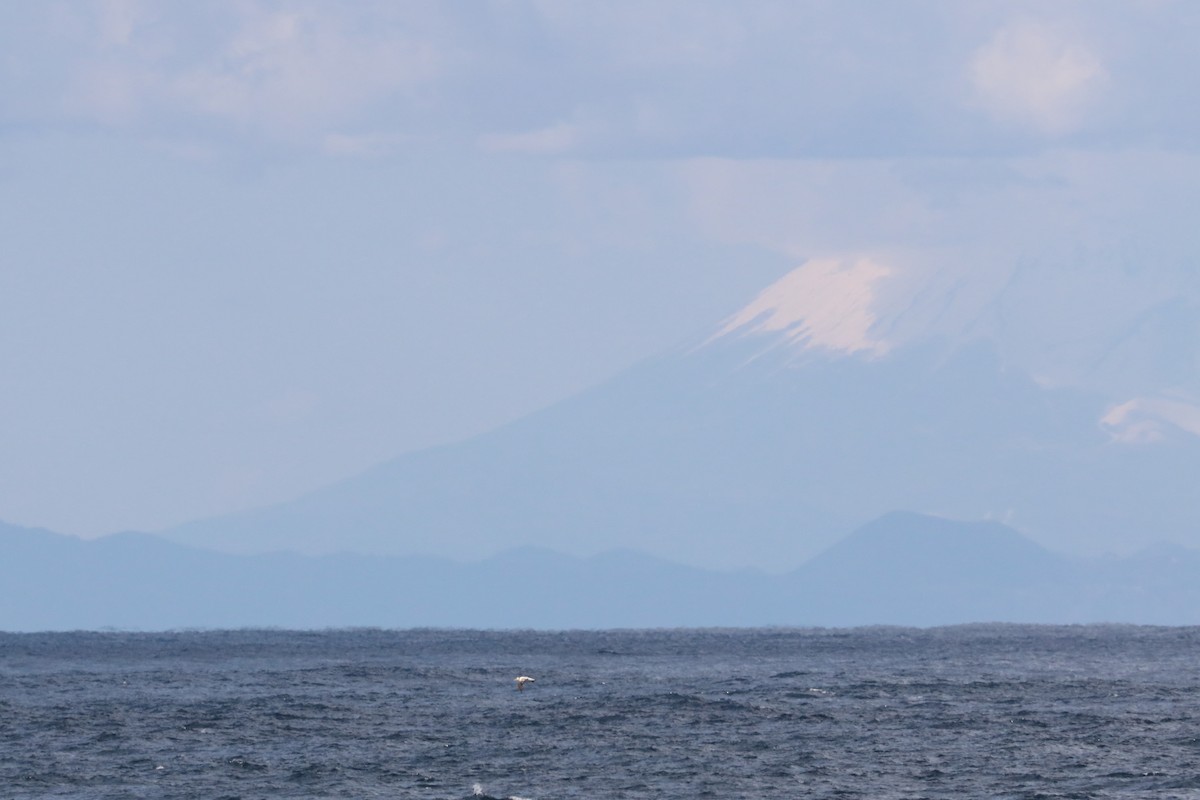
521	681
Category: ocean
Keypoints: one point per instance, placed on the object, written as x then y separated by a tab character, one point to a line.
983	711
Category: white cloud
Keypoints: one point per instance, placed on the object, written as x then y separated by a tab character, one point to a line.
558	138
284	69
804	207
1142	420
370	145
1031	75
109	93
664	34
288	73
117	21
666	79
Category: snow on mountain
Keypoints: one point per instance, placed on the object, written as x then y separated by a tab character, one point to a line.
825	305
1132	335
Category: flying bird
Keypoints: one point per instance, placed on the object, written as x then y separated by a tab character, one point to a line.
521	681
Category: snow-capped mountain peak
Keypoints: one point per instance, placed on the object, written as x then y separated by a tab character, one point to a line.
825	304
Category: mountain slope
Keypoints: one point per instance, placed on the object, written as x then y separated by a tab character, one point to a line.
739	463
760	444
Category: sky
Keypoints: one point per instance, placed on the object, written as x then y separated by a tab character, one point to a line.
248	248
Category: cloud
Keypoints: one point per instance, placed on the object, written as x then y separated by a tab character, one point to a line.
1142	419
561	137
283	68
109	93
370	145
807	208
117	20
281	71
1030	75
666	34
671	79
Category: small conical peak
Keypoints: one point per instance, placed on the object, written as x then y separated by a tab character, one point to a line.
825	304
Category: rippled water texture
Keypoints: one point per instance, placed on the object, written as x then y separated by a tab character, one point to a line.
1087	712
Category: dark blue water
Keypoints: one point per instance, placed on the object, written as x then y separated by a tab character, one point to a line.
1013	712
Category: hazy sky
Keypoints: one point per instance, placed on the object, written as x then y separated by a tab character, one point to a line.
249	248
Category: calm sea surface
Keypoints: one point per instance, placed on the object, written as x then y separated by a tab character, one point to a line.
969	712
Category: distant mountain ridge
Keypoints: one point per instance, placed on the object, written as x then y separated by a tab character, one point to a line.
901	569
